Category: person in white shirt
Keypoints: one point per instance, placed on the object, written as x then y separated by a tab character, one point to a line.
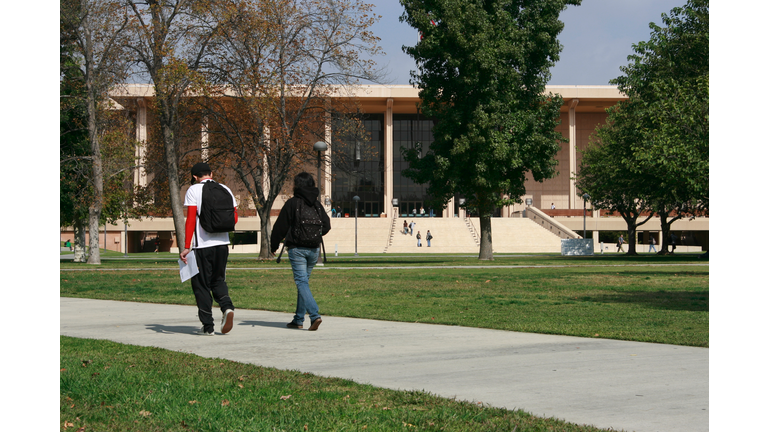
211	254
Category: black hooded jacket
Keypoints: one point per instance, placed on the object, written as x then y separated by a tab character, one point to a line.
287	215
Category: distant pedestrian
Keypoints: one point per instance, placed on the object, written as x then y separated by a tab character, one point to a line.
429	239
620	244
157	245
422	211
652	245
333	212
418	239
68	244
413	224
552	206
405	226
673	242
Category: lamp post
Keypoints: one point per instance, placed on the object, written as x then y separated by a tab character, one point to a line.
585	197
319	147
395	205
125	230
356	199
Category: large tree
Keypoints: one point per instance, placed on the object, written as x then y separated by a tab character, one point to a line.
667	81
74	148
274	65
92	34
482	70
606	173
169	41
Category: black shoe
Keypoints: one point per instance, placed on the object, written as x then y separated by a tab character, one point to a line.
315	324
293	325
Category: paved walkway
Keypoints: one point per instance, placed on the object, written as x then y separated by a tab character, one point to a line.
628	386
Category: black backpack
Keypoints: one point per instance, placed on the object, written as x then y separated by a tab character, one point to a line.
307	229
217	213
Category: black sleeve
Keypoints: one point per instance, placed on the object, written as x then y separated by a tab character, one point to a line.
280	229
324	217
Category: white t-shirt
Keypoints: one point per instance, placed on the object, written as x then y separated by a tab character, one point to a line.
194	197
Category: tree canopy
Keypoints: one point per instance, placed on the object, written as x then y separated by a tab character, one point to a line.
482	70
662	130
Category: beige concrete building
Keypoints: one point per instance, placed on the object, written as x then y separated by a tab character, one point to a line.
393	121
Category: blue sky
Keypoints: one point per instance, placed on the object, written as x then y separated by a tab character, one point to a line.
597	38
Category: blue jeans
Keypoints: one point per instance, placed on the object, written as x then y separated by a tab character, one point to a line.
303	260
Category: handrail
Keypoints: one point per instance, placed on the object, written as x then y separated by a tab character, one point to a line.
473	230
549	223
392	229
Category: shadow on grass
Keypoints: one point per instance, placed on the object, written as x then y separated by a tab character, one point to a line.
693	301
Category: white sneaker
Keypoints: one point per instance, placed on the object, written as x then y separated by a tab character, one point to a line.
227	320
203	332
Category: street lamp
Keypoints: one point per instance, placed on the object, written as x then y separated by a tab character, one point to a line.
585	197
125	229
356	199
395	205
319	147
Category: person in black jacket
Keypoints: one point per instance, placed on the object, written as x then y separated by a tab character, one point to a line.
303	259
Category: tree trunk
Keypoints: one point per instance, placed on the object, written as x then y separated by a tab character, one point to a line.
266	232
486	242
94	256
666	228
172	166
631	220
631	239
79	244
97	177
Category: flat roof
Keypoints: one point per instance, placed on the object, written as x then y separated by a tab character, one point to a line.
585	97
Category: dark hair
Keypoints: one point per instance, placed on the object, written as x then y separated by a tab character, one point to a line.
303	180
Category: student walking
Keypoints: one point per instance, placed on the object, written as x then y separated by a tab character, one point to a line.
303	235
418	239
211	254
429	239
652	245
620	244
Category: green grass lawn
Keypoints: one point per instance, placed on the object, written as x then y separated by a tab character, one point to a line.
106	386
112	387
636	299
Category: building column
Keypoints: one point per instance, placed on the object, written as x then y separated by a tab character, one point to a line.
448	211
389	182
140	174
572	153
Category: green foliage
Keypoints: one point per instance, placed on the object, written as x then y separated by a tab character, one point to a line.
483	67
653	152
667	81
74	146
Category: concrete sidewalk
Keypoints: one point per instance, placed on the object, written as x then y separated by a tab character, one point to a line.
632	386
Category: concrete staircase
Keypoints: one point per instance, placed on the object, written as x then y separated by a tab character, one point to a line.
451	235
